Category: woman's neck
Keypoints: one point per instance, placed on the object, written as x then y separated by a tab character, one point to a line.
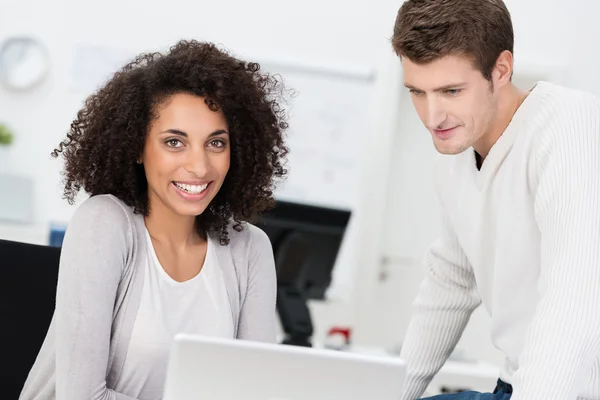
171	229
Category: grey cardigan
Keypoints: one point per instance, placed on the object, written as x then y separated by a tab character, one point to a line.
99	288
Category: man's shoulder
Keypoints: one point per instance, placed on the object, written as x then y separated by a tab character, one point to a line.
565	105
565	116
565	92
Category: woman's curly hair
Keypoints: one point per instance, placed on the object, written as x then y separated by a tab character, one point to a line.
108	135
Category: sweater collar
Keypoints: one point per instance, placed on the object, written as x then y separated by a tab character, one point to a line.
503	145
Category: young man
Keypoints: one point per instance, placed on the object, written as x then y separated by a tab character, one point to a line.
519	186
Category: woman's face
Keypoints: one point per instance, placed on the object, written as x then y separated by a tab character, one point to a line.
186	155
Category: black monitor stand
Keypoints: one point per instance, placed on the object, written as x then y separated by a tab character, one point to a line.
295	316
292	250
305	241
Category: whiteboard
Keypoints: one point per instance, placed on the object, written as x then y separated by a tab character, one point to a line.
329	124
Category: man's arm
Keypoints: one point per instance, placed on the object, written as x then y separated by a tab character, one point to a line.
446	299
563	339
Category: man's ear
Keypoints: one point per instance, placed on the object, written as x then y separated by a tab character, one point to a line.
503	70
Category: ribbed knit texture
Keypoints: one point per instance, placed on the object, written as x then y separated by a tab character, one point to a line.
521	235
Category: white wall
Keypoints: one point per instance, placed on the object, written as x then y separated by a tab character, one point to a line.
311	30
353	32
335	32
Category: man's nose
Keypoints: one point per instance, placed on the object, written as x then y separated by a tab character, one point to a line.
435	114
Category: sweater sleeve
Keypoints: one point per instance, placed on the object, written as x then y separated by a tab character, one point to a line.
445	302
93	256
563	338
258	314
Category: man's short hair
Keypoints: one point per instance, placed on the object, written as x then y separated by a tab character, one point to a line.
426	30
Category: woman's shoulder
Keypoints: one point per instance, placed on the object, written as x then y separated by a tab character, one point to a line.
102	228
105	204
249	238
103	211
251	255
248	247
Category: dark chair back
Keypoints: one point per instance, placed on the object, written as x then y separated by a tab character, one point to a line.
28	277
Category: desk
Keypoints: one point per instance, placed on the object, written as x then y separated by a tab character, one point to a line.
454	375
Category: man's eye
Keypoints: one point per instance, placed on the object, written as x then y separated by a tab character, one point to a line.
453	92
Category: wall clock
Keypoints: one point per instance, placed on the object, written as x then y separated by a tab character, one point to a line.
24	62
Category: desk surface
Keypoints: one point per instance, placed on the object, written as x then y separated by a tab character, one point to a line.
454	375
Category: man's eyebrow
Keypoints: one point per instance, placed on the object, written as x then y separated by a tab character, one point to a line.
450	86
438	89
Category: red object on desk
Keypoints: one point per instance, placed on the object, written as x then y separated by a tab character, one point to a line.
336	331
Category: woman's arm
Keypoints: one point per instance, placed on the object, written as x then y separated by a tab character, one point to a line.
93	256
258	314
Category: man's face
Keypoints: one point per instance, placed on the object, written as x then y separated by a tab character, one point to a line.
453	99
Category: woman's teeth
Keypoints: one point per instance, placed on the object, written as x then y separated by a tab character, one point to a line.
191	189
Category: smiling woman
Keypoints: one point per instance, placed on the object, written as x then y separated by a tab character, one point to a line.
179	152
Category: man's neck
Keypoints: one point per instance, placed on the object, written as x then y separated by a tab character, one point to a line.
508	104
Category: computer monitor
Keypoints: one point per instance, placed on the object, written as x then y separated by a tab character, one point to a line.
306	240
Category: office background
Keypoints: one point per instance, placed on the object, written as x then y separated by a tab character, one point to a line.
395	210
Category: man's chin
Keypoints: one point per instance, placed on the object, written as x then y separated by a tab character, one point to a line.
450	149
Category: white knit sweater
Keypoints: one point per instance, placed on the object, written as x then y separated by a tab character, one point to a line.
521	235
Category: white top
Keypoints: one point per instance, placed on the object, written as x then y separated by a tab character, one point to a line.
522	235
100	283
198	306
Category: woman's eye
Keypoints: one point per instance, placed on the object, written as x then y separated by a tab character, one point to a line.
173	143
217	143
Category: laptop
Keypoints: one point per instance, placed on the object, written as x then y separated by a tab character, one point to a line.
227	369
